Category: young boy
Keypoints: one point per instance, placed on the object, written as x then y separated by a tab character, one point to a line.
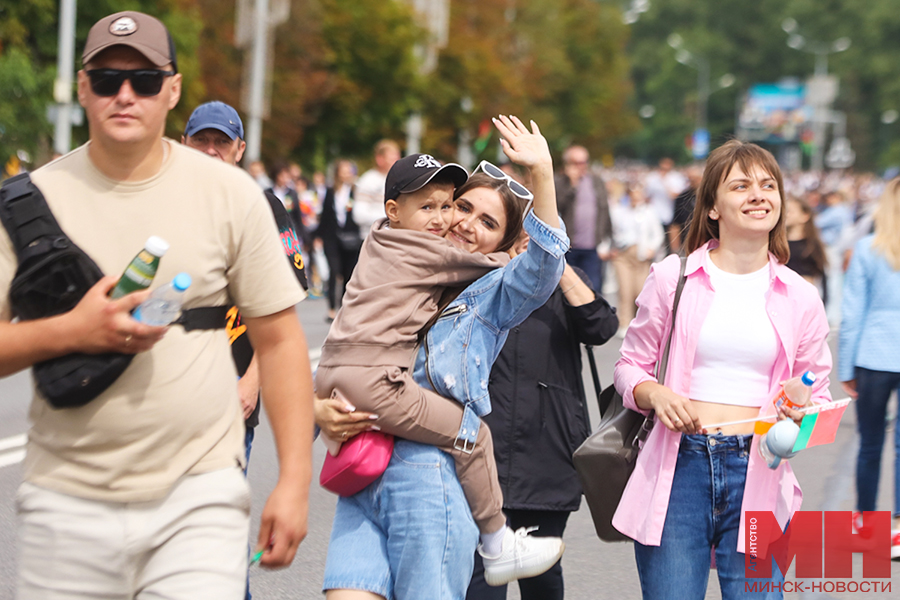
404	267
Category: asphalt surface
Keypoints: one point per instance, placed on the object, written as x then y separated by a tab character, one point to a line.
593	569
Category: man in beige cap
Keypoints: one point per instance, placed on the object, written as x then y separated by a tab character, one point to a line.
140	493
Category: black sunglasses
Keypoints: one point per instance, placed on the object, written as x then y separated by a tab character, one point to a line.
144	82
514	186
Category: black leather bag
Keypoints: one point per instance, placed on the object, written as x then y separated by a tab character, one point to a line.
605	460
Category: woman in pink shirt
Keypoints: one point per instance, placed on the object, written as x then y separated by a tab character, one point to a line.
745	324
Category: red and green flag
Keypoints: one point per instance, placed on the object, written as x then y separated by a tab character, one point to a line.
820	427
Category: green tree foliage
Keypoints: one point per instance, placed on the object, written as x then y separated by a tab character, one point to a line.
559	62
29	31
746	39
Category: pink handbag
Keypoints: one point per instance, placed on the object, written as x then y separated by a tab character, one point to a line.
361	460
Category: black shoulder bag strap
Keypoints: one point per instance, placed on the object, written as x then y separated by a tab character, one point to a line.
663	364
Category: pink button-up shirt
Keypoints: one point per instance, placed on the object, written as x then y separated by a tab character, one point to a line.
798	317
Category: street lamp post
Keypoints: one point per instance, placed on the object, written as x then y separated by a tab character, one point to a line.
686	57
820	104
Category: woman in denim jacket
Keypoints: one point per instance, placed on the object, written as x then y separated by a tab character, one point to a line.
745	324
869	365
410	534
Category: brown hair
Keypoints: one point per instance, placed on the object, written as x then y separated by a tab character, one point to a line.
718	166
513	206
813	248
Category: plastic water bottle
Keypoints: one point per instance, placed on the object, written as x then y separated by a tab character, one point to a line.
796	391
778	442
164	304
141	270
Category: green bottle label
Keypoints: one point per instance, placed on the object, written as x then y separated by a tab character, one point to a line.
138	275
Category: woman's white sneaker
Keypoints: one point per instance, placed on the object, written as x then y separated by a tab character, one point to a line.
522	556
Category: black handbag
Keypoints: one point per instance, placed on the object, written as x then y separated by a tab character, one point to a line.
605	460
53	275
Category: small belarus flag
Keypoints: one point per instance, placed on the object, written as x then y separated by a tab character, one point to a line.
821	426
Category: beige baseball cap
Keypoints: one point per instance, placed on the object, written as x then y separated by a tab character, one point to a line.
142	32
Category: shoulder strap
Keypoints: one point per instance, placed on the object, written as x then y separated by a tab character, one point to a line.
25	213
663	364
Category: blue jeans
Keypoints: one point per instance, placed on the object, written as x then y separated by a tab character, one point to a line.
704	512
874	388
409	535
588	261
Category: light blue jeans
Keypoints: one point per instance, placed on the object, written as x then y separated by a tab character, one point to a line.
409	535
704	512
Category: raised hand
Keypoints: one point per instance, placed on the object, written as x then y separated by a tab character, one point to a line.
523	147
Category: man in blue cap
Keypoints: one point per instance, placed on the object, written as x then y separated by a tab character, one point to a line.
215	129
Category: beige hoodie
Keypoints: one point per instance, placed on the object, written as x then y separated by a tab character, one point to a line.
393	293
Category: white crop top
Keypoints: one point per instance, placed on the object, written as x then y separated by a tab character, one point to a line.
737	345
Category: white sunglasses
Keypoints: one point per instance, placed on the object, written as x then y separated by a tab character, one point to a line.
514	186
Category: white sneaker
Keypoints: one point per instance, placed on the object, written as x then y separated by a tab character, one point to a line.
522	556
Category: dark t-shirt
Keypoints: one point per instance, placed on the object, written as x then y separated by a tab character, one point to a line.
241	350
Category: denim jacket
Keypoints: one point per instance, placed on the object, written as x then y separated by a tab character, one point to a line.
460	349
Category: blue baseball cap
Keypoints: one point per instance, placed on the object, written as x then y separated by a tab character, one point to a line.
215	115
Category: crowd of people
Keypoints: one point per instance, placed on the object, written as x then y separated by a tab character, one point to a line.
459	306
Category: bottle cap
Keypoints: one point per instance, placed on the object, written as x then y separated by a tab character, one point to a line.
181	282
808	378
156	246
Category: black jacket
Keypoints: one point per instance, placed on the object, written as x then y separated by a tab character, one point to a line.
328	222
539	415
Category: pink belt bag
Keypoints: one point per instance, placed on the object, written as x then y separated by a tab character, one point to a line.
361	460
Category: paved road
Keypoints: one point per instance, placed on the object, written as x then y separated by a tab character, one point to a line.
593	570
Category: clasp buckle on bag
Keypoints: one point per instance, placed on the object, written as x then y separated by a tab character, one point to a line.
641	437
464	445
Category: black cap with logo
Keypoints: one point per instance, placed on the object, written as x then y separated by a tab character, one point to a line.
413	172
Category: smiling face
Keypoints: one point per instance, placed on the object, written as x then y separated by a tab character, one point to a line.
747	204
429	209
126	118
480	221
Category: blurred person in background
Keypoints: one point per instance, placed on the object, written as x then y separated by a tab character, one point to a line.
283	189
684	208
585	211
833	219
637	238
869	355
662	186
369	192
340	235
808	257
257	171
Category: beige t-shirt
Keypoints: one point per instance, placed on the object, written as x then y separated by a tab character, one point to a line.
175	410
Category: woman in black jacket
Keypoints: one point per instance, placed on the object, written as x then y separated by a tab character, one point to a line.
340	235
540	417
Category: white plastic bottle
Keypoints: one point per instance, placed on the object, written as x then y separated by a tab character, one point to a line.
164	304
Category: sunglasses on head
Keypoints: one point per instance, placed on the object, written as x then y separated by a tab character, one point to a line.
144	82
514	186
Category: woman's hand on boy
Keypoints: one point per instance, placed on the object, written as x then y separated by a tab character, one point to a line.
523	147
340	421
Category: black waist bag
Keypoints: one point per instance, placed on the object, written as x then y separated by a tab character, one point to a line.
52	276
